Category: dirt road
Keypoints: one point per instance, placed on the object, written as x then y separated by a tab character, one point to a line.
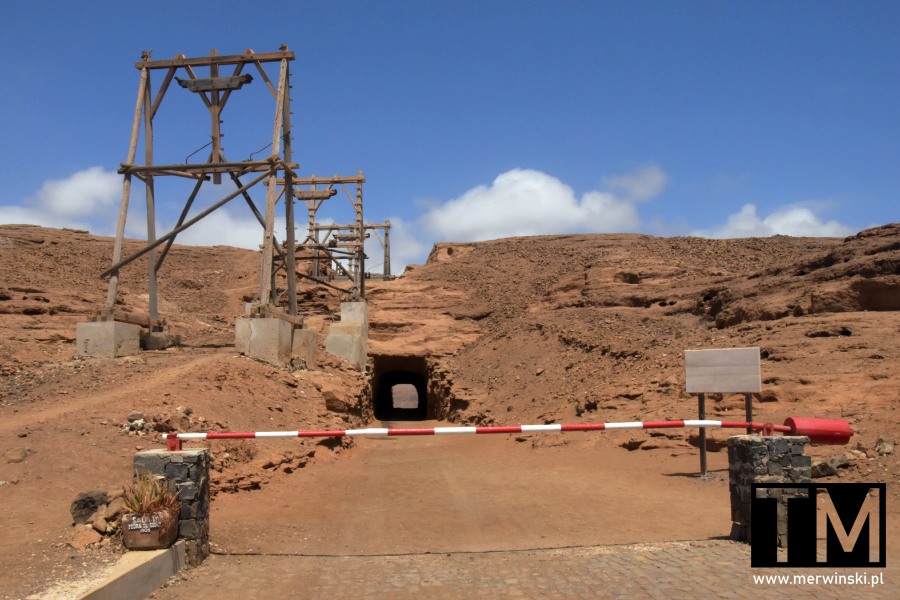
459	493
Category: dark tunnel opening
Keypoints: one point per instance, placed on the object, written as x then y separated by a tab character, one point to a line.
400	388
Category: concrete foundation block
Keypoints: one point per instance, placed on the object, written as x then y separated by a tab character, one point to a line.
242	335
303	346
356	313
347	329
349	338
107	338
352	347
268	340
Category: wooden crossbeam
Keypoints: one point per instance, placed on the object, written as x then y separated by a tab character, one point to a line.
276	313
202	61
133	319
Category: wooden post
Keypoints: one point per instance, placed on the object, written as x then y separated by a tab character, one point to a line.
151	206
361	239
267	275
215	112
387	249
290	264
126	193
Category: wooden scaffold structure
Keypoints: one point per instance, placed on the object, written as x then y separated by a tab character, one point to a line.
277	173
338	236
342	249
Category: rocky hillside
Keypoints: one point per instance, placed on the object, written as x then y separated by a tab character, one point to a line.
544	329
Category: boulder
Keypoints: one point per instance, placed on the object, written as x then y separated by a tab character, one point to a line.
85	505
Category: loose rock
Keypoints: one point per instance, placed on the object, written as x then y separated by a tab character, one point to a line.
85	505
884	447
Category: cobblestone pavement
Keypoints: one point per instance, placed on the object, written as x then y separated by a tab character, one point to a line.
705	569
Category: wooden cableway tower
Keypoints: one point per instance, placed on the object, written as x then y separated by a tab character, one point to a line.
213	79
214	92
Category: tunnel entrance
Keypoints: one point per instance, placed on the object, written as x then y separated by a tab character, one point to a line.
400	388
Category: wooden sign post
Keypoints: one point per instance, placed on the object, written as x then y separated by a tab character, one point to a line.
728	370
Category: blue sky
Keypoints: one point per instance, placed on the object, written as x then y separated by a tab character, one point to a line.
474	120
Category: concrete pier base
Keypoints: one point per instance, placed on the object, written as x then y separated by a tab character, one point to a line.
349	338
109	339
266	339
275	341
303	348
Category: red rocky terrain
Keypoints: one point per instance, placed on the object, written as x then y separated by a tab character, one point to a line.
576	328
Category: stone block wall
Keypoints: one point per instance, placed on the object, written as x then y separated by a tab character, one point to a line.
187	472
758	459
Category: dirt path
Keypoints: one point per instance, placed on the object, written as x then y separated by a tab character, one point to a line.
79	401
456	493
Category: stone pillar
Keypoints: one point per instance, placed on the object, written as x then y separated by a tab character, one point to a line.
187	472
758	459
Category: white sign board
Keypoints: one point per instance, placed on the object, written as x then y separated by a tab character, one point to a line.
724	370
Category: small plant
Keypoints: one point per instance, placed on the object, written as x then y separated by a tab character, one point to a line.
151	522
148	494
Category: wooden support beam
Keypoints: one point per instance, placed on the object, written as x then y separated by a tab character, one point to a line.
290	264
324	283
204	61
329	180
162	92
118	265
131	318
209	84
272	312
126	195
152	291
247	166
181	218
314	194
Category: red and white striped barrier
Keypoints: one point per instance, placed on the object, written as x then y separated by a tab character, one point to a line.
820	431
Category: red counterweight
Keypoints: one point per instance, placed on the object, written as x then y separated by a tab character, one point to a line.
820	431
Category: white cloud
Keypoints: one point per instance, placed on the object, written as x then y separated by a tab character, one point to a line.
24	215
85	200
85	193
224	228
793	220
405	247
641	184
528	202
90	199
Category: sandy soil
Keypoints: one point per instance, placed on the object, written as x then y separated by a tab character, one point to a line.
526	330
